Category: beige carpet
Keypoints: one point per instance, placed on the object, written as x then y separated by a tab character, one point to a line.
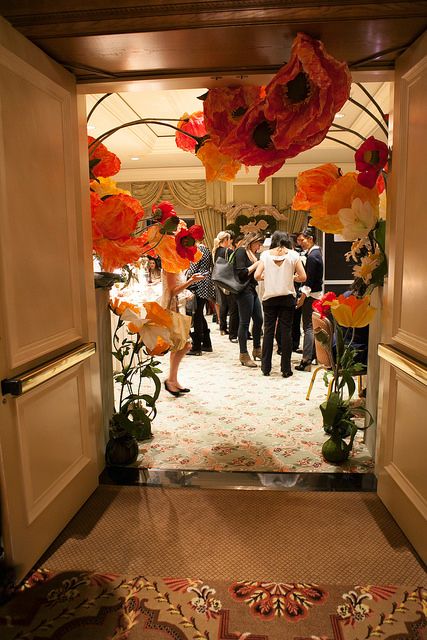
327	538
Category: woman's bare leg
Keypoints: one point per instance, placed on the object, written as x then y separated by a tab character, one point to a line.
175	361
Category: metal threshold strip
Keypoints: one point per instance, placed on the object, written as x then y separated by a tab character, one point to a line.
34	377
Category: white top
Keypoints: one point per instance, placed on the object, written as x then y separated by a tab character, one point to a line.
279	274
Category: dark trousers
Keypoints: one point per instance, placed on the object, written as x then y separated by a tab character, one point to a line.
278	312
223	310
233	320
249	308
200	334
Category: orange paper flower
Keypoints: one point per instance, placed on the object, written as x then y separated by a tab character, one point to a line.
114	220
108	164
340	195
304	96
352	312
165	247
312	185
218	166
298	110
224	107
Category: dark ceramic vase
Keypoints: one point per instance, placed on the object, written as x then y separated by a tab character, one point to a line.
121	450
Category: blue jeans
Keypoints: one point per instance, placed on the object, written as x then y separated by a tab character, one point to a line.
249	307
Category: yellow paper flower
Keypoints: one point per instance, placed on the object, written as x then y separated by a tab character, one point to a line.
106	187
358	220
352	312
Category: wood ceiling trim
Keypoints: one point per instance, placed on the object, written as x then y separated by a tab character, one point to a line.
34	21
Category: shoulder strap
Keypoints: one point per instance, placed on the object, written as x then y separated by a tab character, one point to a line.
231	257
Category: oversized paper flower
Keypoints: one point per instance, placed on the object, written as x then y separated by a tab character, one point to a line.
305	94
224	107
153	323
311	186
114	221
371	157
165	247
358	220
106	187
298	110
119	306
218	166
193	124
340	196
350	311
323	305
185	241
250	142
102	163
163	211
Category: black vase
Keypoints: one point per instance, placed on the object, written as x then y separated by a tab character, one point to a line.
121	450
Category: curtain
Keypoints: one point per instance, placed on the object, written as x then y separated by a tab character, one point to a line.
189	193
283	190
212	223
148	193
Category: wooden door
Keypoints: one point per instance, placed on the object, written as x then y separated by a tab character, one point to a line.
49	417
402	437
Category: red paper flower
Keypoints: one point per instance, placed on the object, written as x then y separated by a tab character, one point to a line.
193	124
224	107
371	157
107	163
298	110
114	220
185	241
163	211
323	306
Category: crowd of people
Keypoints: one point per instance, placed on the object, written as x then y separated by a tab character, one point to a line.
282	274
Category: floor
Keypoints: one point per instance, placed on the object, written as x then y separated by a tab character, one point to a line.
237	420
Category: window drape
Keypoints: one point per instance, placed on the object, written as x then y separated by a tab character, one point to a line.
283	190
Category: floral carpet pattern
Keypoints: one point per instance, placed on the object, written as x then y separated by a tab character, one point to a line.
236	419
80	605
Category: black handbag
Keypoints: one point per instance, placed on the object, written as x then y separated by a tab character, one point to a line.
224	276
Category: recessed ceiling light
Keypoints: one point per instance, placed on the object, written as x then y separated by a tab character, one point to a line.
338	116
91	127
135	158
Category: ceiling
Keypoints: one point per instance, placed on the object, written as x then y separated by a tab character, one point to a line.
158	56
148	152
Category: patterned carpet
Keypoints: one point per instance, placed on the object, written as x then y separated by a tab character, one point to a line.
82	605
236	419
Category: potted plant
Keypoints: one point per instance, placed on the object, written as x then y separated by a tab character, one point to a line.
339	411
146	334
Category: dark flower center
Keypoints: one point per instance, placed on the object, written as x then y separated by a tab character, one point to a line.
298	89
240	111
262	135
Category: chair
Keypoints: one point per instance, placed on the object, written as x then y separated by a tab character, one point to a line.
324	353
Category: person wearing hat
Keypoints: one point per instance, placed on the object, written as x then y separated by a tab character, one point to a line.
248	302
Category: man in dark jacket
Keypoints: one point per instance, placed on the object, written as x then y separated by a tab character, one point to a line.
310	291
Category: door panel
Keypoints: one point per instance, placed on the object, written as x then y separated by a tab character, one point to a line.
48	461
402	441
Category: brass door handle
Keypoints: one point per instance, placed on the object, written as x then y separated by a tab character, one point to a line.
34	377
